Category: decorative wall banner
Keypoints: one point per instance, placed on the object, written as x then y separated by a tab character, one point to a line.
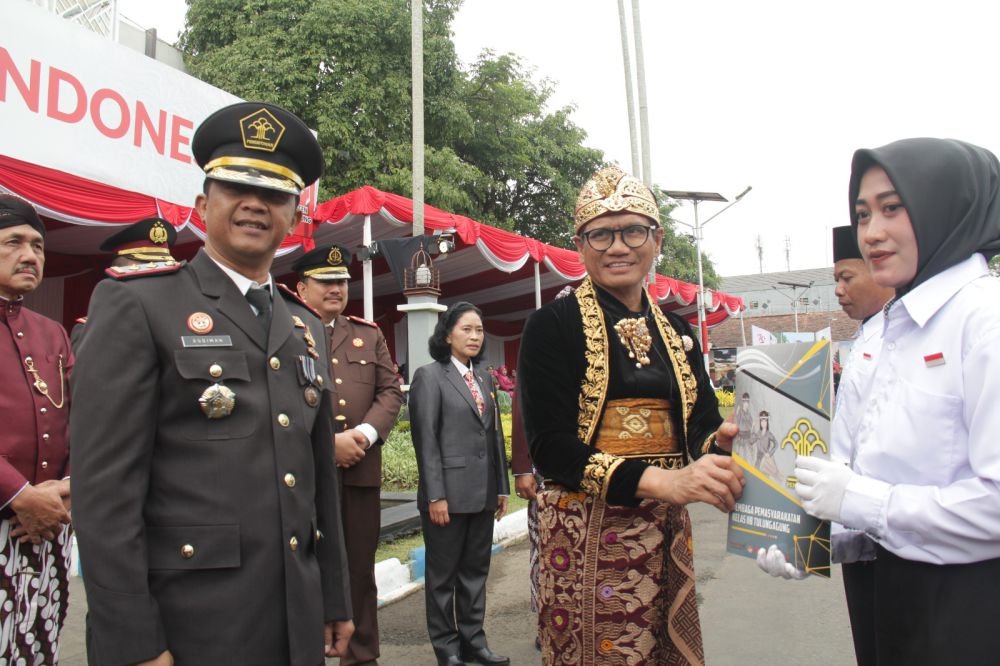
68	95
783	409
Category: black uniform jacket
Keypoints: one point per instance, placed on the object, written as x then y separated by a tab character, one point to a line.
218	539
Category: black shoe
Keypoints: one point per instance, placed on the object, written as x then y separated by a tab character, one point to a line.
485	656
450	661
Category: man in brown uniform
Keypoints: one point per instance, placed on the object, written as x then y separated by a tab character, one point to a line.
369	399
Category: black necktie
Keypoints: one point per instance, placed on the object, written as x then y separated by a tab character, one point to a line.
260	298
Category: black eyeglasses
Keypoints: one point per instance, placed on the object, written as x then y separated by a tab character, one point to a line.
634	235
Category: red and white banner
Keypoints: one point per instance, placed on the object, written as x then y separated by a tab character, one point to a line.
76	102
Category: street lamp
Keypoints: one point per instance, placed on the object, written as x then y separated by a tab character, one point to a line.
794	297
696	198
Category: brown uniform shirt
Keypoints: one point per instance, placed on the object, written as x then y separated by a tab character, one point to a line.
367	390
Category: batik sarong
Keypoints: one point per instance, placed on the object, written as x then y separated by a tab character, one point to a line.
34	593
616	583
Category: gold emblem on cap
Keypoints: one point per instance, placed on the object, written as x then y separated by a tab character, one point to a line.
217	401
261	131
335	257
158	234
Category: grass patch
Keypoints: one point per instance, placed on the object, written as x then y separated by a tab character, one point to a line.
399	548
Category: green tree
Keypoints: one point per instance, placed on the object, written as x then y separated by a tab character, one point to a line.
492	151
679	258
995	266
533	162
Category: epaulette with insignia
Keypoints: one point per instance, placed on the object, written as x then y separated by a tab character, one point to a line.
359	320
292	296
81	320
144	270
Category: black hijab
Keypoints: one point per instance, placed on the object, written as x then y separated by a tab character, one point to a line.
950	189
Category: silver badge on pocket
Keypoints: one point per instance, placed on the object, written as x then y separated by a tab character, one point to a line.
217	401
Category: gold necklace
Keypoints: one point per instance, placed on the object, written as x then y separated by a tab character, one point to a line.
40	384
635	337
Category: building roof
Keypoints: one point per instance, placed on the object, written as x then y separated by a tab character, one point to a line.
739	284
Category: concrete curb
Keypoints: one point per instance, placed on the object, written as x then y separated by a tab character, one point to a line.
397	580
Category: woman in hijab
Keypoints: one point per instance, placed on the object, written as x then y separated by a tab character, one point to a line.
504	381
925	480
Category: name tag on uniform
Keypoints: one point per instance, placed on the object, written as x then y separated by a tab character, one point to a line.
206	341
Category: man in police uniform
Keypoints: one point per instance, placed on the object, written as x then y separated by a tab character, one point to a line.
205	492
35	361
144	245
369	400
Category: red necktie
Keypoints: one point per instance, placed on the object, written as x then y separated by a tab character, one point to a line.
475	392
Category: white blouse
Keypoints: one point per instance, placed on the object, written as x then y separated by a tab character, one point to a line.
928	442
852	395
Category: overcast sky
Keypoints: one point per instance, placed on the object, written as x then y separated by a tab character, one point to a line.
772	94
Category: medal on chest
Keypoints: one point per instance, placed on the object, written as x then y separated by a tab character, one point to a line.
217	401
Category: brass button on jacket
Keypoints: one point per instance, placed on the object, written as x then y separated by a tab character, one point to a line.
215	370
290	480
293	543
187	551
283	420
275	363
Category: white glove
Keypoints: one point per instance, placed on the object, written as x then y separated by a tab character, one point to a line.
821	486
772	561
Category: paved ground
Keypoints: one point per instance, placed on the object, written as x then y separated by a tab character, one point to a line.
747	617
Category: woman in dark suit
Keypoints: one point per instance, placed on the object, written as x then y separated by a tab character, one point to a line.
463	484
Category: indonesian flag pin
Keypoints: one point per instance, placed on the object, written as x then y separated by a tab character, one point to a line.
866	356
934	359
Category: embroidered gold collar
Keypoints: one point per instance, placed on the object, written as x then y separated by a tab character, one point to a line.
594	388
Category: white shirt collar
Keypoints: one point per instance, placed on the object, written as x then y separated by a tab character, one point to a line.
929	297
242	282
461	366
872	326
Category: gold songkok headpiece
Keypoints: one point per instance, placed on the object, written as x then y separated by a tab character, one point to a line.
611	190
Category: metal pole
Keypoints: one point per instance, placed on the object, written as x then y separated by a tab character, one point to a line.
417	77
702	328
538	287
743	329
366	270
640	71
629	92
